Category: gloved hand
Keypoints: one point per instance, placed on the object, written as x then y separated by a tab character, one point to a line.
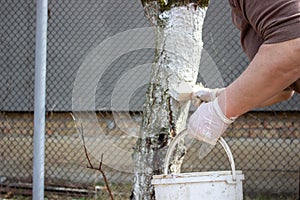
208	122
206	94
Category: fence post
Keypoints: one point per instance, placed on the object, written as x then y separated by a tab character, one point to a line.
40	99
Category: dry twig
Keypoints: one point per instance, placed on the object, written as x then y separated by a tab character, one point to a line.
80	130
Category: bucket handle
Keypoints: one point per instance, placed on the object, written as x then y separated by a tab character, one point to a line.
181	135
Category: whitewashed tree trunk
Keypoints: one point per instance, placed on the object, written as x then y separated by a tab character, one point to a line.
179	46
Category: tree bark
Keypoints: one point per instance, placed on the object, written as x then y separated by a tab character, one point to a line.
178	52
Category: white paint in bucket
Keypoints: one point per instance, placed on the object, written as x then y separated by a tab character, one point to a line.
214	185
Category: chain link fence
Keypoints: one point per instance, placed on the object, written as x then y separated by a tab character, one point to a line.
87	35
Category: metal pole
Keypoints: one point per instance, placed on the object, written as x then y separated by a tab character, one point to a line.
40	99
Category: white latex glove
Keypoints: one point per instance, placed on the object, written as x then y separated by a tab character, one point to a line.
206	94
208	122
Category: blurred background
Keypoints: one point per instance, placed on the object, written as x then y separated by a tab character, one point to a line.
87	35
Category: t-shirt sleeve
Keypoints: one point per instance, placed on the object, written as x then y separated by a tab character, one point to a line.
273	20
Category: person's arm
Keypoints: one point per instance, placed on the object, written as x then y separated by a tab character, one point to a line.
283	96
274	68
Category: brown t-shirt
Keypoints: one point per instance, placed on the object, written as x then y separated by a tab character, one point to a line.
266	22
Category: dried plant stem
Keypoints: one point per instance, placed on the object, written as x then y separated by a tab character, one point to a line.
80	130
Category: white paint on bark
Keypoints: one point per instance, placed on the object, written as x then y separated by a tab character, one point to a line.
182	41
179	46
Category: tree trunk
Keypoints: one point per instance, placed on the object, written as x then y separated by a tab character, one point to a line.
178	52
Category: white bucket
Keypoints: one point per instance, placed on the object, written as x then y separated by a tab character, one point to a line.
217	185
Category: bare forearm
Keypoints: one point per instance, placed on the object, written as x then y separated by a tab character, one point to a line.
267	75
283	96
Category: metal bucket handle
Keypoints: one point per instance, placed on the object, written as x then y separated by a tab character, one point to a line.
181	135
